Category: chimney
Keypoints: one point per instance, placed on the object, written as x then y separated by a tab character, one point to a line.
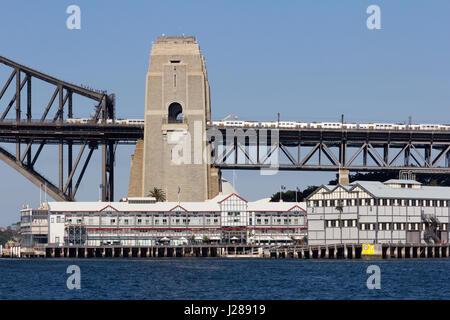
343	177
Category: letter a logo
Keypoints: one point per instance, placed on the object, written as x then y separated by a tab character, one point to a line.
374	281
74	281
374	20
74	20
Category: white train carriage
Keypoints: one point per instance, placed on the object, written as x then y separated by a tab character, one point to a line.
399	126
381	126
349	126
218	123
78	120
413	127
363	126
266	124
135	121
301	125
251	124
431	127
233	123
287	124
326	125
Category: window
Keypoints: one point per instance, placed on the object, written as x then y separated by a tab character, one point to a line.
175	113
58	219
52	220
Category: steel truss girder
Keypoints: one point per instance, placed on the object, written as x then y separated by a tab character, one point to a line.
42	131
363	155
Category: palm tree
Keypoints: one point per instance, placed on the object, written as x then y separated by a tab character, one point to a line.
158	194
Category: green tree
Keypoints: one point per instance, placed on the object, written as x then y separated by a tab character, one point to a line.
158	194
10	234
427	179
290	195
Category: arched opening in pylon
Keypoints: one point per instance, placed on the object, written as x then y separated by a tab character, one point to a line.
175	113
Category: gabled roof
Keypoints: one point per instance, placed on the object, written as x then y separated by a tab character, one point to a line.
110	207
230	195
332	188
180	208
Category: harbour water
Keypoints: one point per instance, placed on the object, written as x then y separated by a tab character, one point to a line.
216	278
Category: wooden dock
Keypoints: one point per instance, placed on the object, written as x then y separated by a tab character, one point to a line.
332	251
355	251
148	251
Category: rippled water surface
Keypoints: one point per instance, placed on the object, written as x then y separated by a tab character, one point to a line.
214	278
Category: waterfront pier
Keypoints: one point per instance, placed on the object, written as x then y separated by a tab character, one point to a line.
330	251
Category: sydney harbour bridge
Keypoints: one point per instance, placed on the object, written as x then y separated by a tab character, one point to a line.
426	151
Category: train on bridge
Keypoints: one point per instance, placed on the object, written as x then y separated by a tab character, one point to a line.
108	121
287	124
330	125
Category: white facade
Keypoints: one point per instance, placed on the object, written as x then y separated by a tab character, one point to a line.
139	222
374	212
56	227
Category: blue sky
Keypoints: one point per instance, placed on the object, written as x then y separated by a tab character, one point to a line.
308	60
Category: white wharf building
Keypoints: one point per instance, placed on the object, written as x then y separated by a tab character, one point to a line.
396	211
143	221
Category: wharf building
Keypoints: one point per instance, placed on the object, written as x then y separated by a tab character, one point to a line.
227	218
396	211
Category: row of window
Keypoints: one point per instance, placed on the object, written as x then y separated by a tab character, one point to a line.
231	219
379	202
383	226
